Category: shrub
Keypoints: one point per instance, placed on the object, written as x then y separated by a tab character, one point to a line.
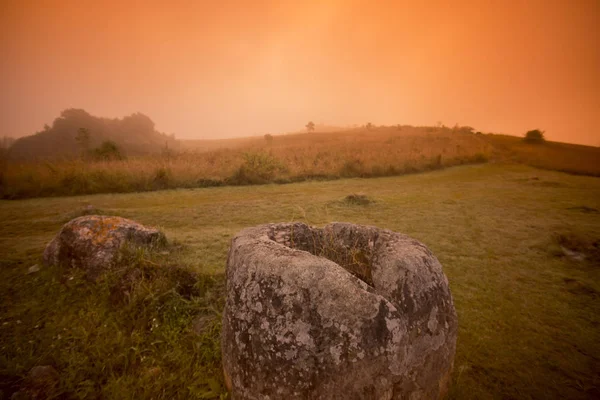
107	151
480	158
352	168
269	138
534	136
74	181
358	199
436	162
257	168
162	177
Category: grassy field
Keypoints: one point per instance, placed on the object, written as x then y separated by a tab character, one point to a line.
284	159
565	157
510	238
359	152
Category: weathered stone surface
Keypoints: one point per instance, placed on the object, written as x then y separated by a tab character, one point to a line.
343	312
92	242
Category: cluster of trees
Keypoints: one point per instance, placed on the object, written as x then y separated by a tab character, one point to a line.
75	133
108	150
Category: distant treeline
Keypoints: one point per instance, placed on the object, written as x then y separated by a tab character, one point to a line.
76	132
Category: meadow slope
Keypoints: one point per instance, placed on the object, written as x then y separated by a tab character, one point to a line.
284	159
555	156
359	152
528	313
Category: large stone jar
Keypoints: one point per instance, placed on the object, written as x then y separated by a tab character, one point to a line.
342	312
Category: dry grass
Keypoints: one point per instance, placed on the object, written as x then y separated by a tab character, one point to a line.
383	151
564	157
287	158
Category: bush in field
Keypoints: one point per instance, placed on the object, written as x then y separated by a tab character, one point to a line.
257	168
162	178
534	136
107	151
310	127
352	168
269	138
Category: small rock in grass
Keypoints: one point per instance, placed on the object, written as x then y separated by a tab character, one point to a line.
360	199
93	242
574	255
33	269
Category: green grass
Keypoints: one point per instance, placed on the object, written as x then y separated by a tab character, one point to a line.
528	315
566	157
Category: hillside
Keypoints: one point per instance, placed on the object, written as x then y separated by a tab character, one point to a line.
566	157
339	137
357	152
361	152
204	145
134	134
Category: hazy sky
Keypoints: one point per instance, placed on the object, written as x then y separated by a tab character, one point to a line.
206	69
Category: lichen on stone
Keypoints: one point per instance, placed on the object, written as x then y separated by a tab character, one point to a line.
93	242
347	334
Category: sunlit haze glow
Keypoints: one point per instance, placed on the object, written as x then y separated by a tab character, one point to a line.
207	69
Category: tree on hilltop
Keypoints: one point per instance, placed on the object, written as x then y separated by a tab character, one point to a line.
534	136
310	127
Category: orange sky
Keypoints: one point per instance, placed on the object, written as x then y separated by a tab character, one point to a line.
206	69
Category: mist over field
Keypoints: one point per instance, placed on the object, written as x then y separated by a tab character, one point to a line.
333	199
240	68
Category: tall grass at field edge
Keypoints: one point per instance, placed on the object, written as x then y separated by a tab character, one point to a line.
79	178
